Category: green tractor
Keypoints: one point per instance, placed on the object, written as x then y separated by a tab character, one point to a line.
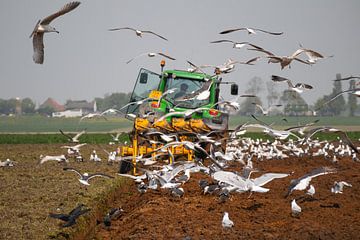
176	92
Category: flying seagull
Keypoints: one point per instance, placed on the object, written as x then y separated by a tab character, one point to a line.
250	31
298	87
138	32
74	139
303	182
266	111
70	218
284	60
60	158
151	54
43	26
84	178
237	45
355	91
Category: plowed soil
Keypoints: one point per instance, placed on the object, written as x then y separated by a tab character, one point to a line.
158	215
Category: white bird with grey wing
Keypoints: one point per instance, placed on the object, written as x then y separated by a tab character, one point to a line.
339	186
303	182
249	31
295	209
43	26
138	33
151	54
226	222
298	87
84	178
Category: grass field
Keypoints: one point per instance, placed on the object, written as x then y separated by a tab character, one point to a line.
40	124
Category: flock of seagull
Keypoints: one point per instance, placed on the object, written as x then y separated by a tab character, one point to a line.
216	163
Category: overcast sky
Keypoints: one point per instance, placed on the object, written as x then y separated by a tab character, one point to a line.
86	61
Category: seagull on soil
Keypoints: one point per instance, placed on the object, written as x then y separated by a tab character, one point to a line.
43	26
339	186
226	222
60	158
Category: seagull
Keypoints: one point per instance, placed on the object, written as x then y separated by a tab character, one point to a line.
177	192
283	60
355	91
299	87
74	139
92	115
313	56
138	32
84	178
151	54
137	103
70	218
338	186
7	163
237	45
295	209
266	111
60	158
43	26
226	222
303	182
75	148
114	213
250	31
115	138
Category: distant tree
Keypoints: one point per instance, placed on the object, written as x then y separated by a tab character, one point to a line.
115	100
273	94
293	103
247	107
352	100
27	105
48	110
338	105
254	87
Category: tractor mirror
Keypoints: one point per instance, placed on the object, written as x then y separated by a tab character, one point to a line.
143	78
234	89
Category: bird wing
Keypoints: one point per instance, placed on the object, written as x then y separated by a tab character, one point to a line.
38	45
259	49
66	135
267	177
347	78
264	123
318	172
140	55
297	52
337	95
65	9
79	134
167	56
259	106
61	216
276	78
302	61
99	175
122	28
231	30
73	170
273	33
151	32
250	62
224	40
346	139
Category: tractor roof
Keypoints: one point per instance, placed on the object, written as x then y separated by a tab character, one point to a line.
186	74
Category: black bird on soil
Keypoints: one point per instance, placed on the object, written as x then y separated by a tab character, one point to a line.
112	214
70	219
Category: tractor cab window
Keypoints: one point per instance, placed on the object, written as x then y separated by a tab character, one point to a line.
184	96
145	83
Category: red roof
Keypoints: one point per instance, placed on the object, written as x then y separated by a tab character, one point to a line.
52	103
